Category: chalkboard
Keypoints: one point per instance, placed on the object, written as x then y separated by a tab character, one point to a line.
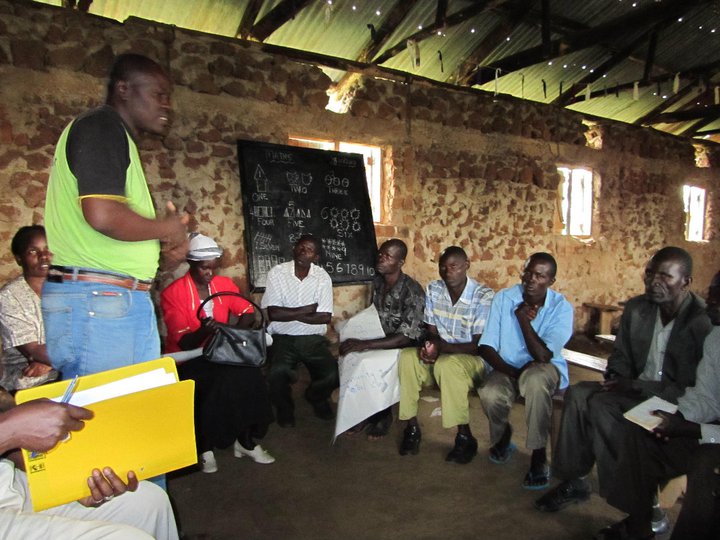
288	191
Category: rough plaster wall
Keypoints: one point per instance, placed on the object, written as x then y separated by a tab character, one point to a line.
464	168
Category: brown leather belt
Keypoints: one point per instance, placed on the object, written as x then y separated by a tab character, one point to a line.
60	274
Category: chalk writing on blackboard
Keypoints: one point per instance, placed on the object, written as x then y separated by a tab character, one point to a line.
289	191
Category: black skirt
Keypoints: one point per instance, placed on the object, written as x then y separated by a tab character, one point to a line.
229	400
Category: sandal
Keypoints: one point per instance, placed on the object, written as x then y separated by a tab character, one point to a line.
358	428
537	480
499	457
379	429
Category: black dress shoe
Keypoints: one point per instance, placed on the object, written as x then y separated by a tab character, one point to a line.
411	441
323	410
285	417
562	495
465	449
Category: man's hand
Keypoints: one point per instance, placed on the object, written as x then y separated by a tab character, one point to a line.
429	352
105	485
615	383
35	369
674	425
174	245
352	345
39	425
526	311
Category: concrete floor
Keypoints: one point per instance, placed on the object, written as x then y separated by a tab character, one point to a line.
361	489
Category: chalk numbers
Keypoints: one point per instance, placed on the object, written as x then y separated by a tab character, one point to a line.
349	269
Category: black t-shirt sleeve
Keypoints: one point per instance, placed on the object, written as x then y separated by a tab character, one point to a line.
98	153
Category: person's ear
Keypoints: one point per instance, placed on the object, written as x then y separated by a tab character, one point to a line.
688	281
18	260
122	89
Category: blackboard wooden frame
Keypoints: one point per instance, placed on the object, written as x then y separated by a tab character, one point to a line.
288	191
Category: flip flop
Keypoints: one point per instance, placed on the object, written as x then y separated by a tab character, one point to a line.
379	429
358	428
501	458
537	481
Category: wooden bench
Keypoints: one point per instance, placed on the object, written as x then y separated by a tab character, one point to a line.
585	360
603	314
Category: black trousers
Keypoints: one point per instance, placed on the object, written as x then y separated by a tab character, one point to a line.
314	352
647	462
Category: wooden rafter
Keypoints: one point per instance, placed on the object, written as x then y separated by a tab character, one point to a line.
450	21
686	115
693	74
565	98
650	57
637	18
683	93
441	13
248	18
694	129
392	20
276	17
467	71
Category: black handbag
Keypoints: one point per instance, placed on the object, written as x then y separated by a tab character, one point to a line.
232	345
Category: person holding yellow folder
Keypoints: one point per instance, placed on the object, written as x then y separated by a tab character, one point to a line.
115	509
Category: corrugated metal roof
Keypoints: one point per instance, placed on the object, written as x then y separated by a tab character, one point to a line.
340	28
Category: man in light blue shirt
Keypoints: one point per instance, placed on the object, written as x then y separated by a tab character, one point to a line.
456	307
528	326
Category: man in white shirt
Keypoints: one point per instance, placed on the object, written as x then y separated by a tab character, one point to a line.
687	442
299	302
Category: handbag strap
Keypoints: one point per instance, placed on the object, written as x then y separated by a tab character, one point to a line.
230	293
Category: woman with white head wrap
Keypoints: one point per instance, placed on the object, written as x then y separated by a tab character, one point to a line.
231	403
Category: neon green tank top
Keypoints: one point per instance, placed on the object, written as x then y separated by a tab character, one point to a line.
75	243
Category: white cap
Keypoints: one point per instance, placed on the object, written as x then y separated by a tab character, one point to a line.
203	248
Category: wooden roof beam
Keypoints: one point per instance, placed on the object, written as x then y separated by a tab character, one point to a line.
686	115
692	130
468	70
666	104
566	97
248	18
392	20
637	18
452	20
276	17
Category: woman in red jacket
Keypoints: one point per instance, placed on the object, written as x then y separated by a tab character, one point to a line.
231	403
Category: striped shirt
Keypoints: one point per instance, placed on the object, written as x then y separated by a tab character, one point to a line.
284	289
458	323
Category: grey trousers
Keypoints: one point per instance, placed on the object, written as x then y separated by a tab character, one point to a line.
536	384
592	430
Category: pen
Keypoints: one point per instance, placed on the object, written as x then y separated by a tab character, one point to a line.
64	399
69	390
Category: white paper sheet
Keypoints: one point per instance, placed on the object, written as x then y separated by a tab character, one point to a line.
363	325
130	385
642	414
368	380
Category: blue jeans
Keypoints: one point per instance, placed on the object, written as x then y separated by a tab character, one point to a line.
92	327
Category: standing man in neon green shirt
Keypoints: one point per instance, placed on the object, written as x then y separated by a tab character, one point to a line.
101	227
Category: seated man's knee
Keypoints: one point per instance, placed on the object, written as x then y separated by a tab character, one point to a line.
704	460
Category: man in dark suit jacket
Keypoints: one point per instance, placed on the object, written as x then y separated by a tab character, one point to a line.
658	348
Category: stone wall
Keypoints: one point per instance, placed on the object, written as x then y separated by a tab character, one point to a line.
463	167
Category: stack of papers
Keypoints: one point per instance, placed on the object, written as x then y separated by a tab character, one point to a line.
642	414
144	422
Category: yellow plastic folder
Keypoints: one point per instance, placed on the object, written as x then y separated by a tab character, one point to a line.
150	431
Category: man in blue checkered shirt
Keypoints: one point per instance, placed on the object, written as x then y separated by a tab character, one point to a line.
456	307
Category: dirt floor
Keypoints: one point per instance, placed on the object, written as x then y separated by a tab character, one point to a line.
359	489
